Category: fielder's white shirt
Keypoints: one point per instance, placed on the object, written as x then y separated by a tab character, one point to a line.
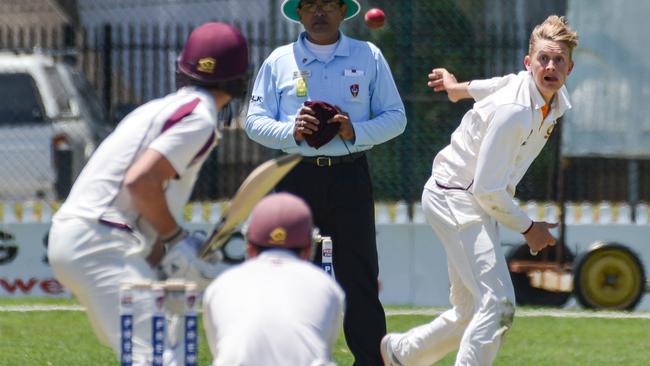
496	142
275	309
181	126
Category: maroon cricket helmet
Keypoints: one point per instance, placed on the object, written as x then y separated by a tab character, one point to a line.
281	220
214	52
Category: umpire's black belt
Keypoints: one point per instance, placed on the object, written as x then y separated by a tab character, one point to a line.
332	160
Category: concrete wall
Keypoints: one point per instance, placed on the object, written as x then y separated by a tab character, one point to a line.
413	267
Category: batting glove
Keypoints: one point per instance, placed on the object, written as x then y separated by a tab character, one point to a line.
182	261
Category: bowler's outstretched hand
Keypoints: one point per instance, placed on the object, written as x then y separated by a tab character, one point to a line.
442	80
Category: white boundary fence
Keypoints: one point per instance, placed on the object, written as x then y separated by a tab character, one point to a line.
413	267
385	212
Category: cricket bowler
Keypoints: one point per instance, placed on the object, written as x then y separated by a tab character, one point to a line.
471	190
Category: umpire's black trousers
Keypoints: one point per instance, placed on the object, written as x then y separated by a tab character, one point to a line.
341	200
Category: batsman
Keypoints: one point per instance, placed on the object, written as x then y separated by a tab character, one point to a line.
125	203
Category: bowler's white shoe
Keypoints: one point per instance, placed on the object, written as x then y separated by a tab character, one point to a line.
387	352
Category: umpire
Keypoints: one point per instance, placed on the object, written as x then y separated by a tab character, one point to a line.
325	65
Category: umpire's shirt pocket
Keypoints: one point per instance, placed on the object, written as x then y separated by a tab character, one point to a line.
355	86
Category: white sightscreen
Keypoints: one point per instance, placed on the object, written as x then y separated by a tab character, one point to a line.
610	83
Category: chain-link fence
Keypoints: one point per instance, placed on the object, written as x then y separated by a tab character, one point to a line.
127	50
472	39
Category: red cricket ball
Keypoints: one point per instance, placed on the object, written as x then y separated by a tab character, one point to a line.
375	18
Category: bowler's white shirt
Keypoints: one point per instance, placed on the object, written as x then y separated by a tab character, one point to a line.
496	142
99	193
274	309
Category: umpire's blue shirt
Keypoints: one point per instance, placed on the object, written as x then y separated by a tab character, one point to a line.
356	78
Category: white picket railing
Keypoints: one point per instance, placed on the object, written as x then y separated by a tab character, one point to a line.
385	212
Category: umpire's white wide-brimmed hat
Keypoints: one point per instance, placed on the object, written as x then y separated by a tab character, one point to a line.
289	9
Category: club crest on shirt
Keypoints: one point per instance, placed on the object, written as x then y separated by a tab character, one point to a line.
354	90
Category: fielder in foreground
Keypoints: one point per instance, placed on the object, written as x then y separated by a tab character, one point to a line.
126	199
276	308
471	190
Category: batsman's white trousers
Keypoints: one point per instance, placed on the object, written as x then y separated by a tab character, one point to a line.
92	260
481	291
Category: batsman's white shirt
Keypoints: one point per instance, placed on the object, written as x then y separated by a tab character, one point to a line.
92	258
496	142
274	309
181	126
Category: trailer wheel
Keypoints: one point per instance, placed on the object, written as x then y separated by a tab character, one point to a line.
526	294
608	276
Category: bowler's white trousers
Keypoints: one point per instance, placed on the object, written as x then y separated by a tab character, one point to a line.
481	291
92	260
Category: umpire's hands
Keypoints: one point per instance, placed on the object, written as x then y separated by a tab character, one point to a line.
306	123
346	130
539	236
182	261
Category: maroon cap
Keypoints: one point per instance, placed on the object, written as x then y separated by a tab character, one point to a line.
214	52
326	131
280	220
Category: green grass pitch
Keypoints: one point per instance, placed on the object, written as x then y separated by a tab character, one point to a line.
64	338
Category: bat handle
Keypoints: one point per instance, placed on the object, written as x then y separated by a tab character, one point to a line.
533	252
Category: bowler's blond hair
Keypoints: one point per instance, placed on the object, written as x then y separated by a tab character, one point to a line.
555	29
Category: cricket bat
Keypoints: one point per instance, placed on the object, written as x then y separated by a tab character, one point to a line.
258	183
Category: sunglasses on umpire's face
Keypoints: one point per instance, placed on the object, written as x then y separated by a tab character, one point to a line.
312	6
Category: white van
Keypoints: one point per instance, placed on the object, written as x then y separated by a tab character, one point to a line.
50	122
